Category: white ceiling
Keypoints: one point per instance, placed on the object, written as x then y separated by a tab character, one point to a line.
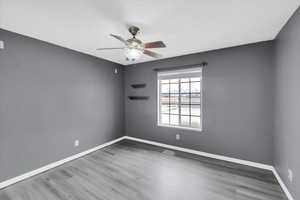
185	26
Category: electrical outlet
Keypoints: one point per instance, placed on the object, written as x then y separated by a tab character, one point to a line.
1	44
76	143
177	136
290	175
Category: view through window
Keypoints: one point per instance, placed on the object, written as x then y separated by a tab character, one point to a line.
180	99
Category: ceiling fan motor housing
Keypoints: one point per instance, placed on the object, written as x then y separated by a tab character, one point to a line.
133	30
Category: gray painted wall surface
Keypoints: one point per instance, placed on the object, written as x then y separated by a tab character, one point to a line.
287	120
50	96
238	103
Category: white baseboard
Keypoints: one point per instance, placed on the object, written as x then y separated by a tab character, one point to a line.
219	157
210	155
201	153
55	164
283	186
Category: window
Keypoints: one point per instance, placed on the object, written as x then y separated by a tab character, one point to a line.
180	98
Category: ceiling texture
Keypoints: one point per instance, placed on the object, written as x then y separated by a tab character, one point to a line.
185	26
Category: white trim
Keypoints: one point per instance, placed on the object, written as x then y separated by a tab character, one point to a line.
281	183
55	164
201	153
158	101
219	157
180	74
210	155
180	127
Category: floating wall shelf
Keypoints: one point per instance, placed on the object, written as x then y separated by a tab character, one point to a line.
136	86
138	97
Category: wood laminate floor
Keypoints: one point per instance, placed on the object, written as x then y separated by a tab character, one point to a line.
134	171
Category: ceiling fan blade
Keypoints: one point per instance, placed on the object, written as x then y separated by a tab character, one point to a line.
157	44
119	38
152	54
100	49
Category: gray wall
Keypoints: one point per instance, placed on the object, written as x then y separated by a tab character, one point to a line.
50	96
238	103
287	120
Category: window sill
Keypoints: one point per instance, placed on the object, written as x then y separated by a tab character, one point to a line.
180	127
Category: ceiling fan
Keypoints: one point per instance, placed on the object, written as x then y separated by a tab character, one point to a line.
134	48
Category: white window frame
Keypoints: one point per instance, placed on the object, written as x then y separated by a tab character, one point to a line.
180	73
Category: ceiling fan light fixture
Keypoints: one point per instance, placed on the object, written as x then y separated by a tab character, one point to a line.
132	54
135	48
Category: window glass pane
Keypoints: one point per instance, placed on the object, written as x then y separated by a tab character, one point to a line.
195	122
164	99
185	120
195	99
174	88
185	109
174	80
185	88
195	110
195	87
195	95
164	109
165	88
188	112
195	79
174	99
174	109
184	80
174	119
185	98
164	119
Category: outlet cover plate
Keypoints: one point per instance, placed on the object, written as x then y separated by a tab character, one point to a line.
76	143
290	175
1	44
